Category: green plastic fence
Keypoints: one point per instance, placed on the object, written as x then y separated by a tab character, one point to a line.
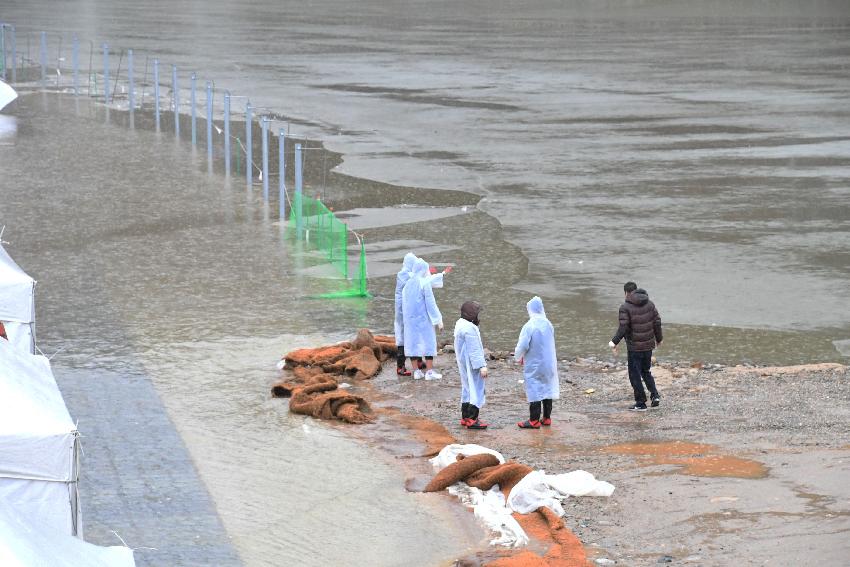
322	230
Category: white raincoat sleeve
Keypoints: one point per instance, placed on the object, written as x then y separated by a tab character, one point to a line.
436	280
431	305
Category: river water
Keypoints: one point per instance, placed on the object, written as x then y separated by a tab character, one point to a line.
700	150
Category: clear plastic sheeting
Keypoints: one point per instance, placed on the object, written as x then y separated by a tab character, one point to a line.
538	489
449	453
534	490
489	507
24	543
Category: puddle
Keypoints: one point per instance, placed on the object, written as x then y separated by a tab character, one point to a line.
693	459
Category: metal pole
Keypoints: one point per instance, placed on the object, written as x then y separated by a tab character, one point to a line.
43	58
249	165
156	91
131	83
281	168
59	62
14	54
175	100
265	159
3	46
299	222
227	134
194	112
75	62
106	73
209	122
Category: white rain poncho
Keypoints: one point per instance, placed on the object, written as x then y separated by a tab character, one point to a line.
420	313
470	360
402	278
537	346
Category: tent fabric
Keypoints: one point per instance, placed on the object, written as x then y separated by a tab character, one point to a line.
39	443
20	335
16	291
7	94
24	543
17	303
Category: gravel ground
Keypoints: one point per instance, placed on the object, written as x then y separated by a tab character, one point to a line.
739	465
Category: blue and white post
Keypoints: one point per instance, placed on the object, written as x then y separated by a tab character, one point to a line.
105	73
227	133
209	123
299	221
265	123
156	91
193	102
131	84
75	62
249	174
281	168
42	55
175	101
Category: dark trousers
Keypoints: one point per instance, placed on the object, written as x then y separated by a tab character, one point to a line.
639	364
468	411
534	409
399	357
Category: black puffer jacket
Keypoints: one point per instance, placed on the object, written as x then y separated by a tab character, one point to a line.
640	323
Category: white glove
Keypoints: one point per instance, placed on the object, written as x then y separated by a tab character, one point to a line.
611	344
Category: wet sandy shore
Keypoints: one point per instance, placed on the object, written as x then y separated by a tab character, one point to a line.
739	465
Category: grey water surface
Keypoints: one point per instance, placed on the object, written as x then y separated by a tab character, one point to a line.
701	149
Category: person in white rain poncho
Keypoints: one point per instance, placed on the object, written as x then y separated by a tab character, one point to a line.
471	365
535	350
402	278
420	315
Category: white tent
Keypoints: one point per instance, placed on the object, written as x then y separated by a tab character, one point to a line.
7	94
39	444
26	544
17	303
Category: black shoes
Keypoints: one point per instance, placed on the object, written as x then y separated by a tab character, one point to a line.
655	400
638	407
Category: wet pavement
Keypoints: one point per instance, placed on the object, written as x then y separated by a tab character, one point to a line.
138	478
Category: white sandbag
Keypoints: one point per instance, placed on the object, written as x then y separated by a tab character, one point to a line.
579	483
449	453
532	492
489	507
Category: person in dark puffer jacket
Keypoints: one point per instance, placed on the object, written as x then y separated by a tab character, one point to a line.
640	325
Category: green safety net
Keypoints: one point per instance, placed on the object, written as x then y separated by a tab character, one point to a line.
321	229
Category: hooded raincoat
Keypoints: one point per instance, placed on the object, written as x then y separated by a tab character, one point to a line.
469	352
537	346
420	313
402	278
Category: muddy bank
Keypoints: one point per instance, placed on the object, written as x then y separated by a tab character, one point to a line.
735	459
